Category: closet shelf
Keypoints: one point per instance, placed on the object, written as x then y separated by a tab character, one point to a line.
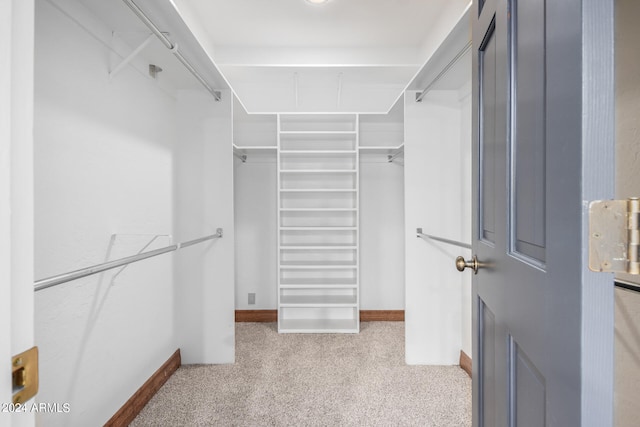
319	325
320	282
331	152
243	152
382	149
323	246
318	228
255	147
318	133
315	265
318	209
318	301
318	190
318	171
318	287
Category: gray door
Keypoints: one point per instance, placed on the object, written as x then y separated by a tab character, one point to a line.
528	217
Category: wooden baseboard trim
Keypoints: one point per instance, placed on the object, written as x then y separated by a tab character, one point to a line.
365	315
140	398
465	363
256	315
382	315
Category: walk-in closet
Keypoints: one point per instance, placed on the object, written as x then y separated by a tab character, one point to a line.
319	212
184	185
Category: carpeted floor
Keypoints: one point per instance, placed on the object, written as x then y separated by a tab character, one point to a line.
314	380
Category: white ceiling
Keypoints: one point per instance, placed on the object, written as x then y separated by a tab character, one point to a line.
283	56
342	56
338	23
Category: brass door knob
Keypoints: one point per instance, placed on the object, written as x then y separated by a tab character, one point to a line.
461	264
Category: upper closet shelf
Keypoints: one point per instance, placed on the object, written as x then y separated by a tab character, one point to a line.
254	147
318	171
243	152
392	153
304	152
317	134
184	47
382	149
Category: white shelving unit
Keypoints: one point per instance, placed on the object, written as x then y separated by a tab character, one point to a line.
318	221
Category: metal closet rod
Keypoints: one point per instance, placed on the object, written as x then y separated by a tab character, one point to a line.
173	47
442	239
444	71
88	271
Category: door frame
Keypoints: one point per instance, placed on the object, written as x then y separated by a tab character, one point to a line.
598	182
16	190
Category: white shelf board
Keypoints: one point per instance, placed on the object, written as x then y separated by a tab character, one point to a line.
347	326
318	190
318	301
318	209
325	228
255	147
318	171
319	282
317	132
323	246
319	287
331	152
381	149
320	136
318	265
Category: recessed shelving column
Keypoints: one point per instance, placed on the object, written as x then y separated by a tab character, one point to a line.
318	251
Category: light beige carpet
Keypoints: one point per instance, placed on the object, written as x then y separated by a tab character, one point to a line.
314	380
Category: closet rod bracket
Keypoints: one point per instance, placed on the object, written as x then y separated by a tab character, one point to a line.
131	56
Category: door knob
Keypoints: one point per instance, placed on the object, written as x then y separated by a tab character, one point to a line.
461	264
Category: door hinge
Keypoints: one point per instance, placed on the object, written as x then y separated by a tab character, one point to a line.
24	375
614	236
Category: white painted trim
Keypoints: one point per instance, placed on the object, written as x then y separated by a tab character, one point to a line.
5	196
598	177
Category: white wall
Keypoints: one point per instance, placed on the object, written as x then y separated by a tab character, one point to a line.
103	166
16	192
382	212
256	232
204	294
381	234
255	207
433	201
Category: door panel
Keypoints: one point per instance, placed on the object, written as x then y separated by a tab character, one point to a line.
527	390
488	172
480	4
529	186
527	143
487	358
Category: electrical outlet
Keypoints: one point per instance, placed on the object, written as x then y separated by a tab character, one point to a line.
252	298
